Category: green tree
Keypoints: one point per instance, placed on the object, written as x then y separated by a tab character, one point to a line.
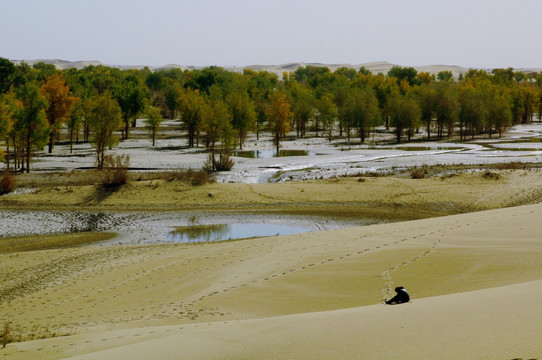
385	88
446	108
153	121
503	76
130	95
328	112
302	100
75	121
261	85
409	74
364	71
404	115
7	120
7	75
155	81
192	109
102	78
426	78
530	100
347	72
426	99
171	99
44	70
445	76
31	123
243	114
205	78
500	112
473	111
104	117
361	110
310	75
217	127
279	118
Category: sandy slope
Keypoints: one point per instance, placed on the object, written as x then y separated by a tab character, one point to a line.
472	325
256	298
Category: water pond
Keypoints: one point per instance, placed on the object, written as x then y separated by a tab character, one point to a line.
271	153
220	232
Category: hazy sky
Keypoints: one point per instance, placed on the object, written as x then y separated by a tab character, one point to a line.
470	33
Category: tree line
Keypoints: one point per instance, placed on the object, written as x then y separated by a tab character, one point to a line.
221	108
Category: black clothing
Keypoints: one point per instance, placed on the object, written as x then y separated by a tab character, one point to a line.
401	297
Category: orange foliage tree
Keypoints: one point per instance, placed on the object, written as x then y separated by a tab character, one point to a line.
60	104
279	118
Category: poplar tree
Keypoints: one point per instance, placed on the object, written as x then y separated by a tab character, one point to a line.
243	114
104	117
279	117
192	107
60	103
153	121
31	123
404	114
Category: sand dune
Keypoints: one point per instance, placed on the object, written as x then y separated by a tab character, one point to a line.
475	280
375	66
474	325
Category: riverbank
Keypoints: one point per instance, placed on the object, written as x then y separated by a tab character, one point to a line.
402	197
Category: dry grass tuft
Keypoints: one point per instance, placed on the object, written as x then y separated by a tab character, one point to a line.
7	183
417	174
193	177
491	175
5	335
116	174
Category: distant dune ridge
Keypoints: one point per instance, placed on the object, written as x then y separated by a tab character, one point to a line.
375	67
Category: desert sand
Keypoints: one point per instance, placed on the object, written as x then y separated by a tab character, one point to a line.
475	280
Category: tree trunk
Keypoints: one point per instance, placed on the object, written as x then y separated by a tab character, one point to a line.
28	148
71	140
7	153
51	141
241	139
126	129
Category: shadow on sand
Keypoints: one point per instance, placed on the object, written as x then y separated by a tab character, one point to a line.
101	193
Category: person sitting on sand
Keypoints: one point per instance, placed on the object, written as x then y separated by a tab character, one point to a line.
400	298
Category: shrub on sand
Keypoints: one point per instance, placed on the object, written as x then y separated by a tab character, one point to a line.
5	335
224	163
491	175
7	183
418	173
116	171
193	177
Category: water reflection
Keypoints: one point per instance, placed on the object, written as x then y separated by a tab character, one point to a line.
218	232
269	153
198	233
420	148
